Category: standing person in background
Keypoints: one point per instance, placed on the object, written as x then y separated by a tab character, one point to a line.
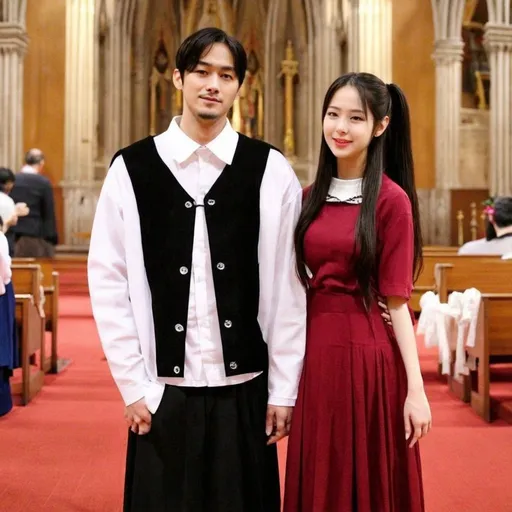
35	236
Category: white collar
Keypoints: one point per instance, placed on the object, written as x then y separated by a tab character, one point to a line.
28	170
180	146
345	191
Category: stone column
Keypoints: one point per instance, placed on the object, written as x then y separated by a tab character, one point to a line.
329	48
80	121
448	61
119	74
447	57
13	46
498	41
370	38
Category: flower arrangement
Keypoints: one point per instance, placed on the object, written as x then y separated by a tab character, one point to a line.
488	205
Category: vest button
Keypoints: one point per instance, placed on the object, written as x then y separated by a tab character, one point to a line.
221	266
228	324
188	204
211	202
176	370
183	271
233	365
179	328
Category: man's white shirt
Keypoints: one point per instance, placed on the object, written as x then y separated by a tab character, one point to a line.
120	293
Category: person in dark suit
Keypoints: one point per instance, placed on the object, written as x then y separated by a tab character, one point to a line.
35	235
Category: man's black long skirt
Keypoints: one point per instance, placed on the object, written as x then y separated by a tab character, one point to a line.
206	452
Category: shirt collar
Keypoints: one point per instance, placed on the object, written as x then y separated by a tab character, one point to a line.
182	146
28	169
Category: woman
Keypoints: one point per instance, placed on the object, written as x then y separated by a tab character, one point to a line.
361	407
8	344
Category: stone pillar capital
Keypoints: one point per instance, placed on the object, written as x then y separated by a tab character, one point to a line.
13	46
448	50
498	37
14	37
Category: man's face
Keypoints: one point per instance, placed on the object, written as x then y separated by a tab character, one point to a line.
211	88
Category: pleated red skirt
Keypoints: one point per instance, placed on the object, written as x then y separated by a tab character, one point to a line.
347	449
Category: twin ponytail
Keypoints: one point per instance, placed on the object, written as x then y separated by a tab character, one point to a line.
399	163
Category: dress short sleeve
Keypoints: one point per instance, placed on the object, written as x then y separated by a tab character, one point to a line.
396	257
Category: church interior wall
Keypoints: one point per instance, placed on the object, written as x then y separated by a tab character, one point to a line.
414	72
44	90
324	38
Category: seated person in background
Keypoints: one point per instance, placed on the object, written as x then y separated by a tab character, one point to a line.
498	237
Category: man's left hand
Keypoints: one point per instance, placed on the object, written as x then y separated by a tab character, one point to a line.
279	419
381	301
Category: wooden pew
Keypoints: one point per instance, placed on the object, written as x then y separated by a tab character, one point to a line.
26	281
493	339
493	277
50	285
431	257
440	249
488	274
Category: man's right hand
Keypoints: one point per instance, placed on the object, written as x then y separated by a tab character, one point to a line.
138	417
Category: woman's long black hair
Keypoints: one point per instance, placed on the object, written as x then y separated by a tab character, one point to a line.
391	153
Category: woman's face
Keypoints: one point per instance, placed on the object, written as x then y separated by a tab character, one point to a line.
348	129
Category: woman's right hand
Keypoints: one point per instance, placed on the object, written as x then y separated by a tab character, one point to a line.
417	416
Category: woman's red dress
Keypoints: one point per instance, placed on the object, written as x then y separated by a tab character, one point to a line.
347	449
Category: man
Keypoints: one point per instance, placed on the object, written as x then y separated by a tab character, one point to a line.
35	235
196	299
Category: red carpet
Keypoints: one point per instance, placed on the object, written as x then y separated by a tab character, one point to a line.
65	451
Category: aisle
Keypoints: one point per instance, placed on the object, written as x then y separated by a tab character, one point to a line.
65	451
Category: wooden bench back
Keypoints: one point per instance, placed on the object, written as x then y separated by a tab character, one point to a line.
46	265
497	322
427	279
27	279
486	274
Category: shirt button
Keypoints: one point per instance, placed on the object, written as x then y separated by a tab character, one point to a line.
228	324
176	370
221	266
211	202
188	204
183	271
233	365
179	328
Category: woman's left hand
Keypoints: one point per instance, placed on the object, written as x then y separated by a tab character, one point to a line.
417	416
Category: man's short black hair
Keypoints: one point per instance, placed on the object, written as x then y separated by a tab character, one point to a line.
6	175
503	212
34	157
190	51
